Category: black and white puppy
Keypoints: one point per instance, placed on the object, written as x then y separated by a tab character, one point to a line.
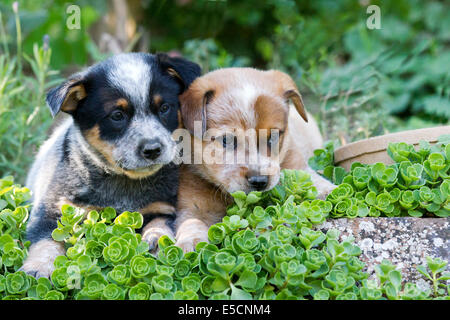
116	149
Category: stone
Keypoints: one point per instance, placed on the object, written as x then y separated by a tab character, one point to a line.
405	241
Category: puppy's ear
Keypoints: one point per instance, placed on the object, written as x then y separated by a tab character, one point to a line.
181	69
66	96
288	89
194	103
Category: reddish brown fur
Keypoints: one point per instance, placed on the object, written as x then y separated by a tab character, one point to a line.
157	99
75	94
93	138
200	204
288	89
199	198
122	103
270	114
173	73
158	207
180	120
64	201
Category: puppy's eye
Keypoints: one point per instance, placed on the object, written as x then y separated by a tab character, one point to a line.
117	115
164	108
229	141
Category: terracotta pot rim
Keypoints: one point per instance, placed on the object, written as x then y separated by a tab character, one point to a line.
380	143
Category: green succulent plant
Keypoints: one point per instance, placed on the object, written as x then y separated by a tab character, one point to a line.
416	185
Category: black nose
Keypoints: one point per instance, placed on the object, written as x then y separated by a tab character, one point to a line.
150	149
258	182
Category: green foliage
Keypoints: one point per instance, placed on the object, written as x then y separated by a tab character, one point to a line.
13	218
70	46
266	247
390	282
24	118
417	184
322	157
395	70
211	56
436	266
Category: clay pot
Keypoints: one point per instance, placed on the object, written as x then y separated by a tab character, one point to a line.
373	150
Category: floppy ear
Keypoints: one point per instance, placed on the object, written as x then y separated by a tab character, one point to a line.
289	91
66	96
194	103
183	70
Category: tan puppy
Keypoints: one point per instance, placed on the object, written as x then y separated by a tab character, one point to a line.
225	103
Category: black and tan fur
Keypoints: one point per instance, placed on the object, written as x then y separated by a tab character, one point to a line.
116	149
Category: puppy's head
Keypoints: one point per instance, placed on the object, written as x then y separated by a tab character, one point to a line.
244	112
126	109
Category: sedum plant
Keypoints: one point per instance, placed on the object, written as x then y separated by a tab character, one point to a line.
266	247
416	185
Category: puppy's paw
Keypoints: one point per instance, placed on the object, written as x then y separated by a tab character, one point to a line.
41	256
38	270
188	244
152	235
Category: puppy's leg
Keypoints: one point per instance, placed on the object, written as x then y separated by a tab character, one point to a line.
44	250
190	232
199	207
324	187
156	228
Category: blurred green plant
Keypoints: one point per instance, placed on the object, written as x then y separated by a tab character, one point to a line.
70	46
363	76
210	56
24	119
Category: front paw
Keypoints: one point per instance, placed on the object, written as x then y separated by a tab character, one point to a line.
41	256
152	235
37	269
188	244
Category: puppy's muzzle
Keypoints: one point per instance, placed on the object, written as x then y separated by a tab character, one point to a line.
258	183
150	149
